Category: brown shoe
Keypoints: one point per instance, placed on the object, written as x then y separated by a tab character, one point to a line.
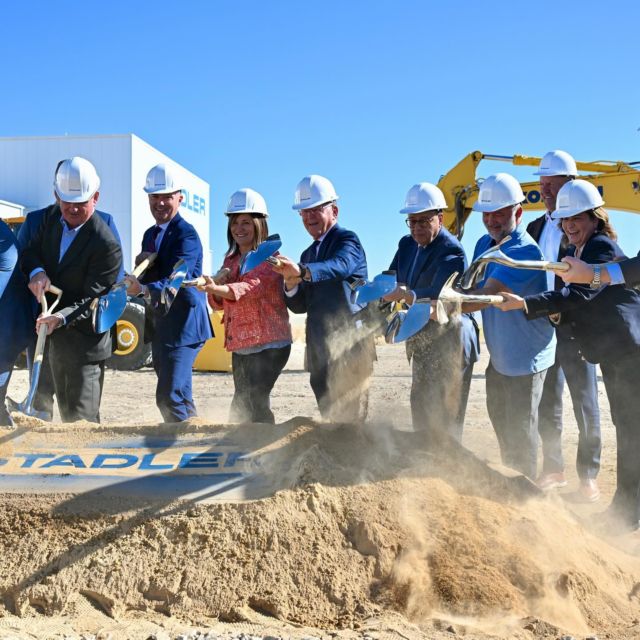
548	481
589	490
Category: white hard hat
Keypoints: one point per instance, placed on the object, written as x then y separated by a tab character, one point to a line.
160	179
575	197
312	191
76	180
498	191
557	163
423	196
247	201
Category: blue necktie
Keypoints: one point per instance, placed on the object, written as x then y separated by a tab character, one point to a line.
151	241
313	250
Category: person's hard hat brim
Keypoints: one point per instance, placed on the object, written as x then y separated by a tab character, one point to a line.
255	214
490	207
161	191
569	213
74	199
551	172
299	206
417	209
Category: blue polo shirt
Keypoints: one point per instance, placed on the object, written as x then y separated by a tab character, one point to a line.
517	346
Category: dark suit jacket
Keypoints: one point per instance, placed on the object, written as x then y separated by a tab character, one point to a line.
434	265
604	322
88	269
327	298
187	320
631	271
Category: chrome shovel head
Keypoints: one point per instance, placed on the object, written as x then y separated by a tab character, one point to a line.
256	257
412	321
170	291
476	269
109	308
379	287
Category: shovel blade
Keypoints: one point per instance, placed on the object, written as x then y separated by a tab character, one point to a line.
177	277
379	287
109	309
256	257
412	321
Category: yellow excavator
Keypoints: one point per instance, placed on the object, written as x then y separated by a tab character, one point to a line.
618	182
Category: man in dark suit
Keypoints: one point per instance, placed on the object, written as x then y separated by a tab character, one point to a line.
556	169
43	401
443	355
76	250
179	330
340	349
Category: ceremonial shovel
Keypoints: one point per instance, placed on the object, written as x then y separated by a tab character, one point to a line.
108	308
450	301
476	271
199	282
26	406
170	291
265	249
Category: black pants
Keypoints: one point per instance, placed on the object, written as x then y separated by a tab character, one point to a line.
340	371
78	386
440	380
583	386
622	382
253	377
512	403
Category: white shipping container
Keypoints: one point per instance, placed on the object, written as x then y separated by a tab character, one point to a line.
122	161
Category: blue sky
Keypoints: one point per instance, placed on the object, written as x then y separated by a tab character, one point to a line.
374	95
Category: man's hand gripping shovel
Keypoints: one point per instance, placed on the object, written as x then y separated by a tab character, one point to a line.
26	406
108	308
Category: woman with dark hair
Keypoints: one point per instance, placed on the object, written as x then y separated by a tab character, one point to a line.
605	322
256	320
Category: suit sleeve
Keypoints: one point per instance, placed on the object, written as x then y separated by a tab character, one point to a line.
631	271
447	265
347	254
31	257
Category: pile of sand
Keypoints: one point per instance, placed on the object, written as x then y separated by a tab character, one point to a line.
366	527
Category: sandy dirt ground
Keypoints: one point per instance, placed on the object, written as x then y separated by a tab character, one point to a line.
364	535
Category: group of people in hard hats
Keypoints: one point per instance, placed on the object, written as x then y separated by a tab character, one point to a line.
542	332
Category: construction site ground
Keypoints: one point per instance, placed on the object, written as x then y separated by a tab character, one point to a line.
358	533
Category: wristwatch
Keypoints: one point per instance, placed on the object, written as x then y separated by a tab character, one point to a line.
595	283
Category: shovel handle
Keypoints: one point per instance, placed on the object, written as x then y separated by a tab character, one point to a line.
273	261
144	265
557	266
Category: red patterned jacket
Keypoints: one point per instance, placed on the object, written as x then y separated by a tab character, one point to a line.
258	314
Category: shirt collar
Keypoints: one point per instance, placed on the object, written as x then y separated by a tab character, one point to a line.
67	229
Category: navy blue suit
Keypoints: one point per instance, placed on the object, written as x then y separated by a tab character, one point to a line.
582	381
606	326
44	397
15	311
177	334
340	348
439	390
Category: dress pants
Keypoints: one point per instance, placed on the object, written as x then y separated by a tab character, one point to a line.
512	403
440	380
173	365
78	385
582	380
339	376
622	382
254	375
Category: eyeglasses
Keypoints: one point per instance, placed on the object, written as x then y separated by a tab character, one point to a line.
418	222
314	210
